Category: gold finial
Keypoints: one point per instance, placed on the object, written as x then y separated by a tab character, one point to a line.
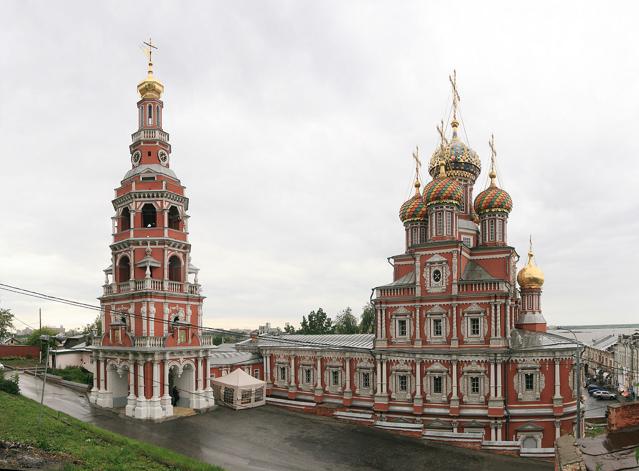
456	98
149	51
150	87
418	164
531	276
442	169
530	250
493	153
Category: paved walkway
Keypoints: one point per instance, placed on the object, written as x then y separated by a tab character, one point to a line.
269	438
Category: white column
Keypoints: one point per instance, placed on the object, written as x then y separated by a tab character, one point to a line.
291	375
384	378
492	380
378	322
499	435
493	431
102	371
498	319
264	367
383	322
379	376
455	395
557	380
348	374
418	378
141	406
500	393
493	316
156	379
507	314
454	322
557	429
418	317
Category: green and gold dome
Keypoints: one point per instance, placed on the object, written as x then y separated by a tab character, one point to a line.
414	209
493	198
461	161
443	189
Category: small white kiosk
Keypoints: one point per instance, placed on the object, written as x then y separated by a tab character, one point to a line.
239	390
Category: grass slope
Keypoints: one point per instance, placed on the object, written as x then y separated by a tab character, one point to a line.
86	446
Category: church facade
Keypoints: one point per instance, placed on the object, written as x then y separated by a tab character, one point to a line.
460	351
152	355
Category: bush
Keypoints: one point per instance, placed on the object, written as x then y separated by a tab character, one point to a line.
77	374
9	385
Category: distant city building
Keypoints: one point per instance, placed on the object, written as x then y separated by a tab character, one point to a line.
268	330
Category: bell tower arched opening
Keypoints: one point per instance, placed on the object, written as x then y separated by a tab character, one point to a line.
149	215
175	268
124	269
174	218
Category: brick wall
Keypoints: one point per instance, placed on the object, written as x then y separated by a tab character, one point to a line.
28	351
623	415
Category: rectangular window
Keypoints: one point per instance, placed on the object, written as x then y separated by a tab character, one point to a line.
449	223
468	242
246	396
499	223
259	394
401	328
282	373
491	225
415	236
308	376
182	336
474	327
403	383
529	379
437	327
474	385
228	395
439	223
437	385
335	378
150	115
366	380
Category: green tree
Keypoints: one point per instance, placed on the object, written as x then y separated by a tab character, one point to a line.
95	326
289	329
34	337
6	322
316	323
346	322
367	319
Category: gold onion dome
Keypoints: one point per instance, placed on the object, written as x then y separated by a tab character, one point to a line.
414	209
443	189
461	161
493	198
150	87
531	276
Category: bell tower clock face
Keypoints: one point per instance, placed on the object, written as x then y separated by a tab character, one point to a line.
135	158
164	158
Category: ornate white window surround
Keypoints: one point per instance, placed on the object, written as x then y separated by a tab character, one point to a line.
434	316
436	274
364	368
402	374
401	326
474	373
538	382
334	370
282	373
305	371
437	370
474	324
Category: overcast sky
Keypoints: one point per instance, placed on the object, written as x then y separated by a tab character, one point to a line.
292	126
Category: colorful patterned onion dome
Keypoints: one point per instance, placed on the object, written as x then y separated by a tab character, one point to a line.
414	209
461	161
531	276
443	189
493	198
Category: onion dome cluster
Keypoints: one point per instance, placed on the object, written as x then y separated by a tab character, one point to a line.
531	276
414	209
443	189
493	198
461	161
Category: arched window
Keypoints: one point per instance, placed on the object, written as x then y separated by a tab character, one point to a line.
125	220
175	268
158	116
149	215
174	218
124	269
150	115
141	116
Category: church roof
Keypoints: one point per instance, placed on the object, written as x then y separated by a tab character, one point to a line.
327	341
530	340
150	168
408	279
475	272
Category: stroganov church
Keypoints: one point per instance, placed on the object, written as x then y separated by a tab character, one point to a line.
460	351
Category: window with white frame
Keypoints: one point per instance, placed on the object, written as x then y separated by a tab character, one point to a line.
402	382
281	373
401	325
474	325
436	273
468	241
308	376
436	383
334	376
474	384
402	329
437	327
364	378
449	222
529	381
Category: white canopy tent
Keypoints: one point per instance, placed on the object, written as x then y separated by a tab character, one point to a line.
239	390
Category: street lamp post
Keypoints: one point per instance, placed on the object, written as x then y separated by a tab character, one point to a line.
44	338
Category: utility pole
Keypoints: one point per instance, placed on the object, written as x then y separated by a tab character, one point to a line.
44	379
578	391
40	316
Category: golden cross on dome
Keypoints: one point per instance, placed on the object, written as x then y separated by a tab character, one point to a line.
442	136
148	50
493	153
418	163
456	98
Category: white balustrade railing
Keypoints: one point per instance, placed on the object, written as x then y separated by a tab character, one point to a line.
150	284
150	134
193	289
174	286
148	342
207	340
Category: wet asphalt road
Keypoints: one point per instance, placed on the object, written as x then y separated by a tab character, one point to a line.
270	438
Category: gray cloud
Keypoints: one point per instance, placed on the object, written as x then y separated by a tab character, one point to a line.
292	125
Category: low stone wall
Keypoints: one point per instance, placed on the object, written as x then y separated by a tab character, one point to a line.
26	351
567	455
623	415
